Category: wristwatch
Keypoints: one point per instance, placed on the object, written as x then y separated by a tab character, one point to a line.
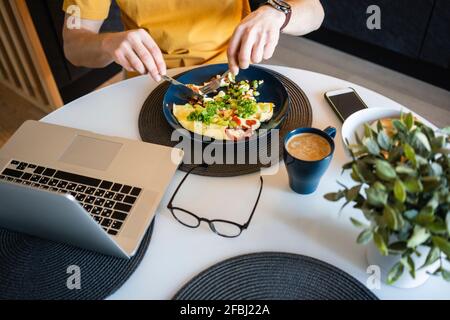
282	6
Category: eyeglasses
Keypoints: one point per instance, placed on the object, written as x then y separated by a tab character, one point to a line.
224	228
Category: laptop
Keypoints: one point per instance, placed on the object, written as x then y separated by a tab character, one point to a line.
89	190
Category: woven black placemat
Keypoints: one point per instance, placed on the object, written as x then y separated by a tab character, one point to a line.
153	127
274	276
36	269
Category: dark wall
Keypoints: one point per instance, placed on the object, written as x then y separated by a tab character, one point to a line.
436	46
403	22
413	39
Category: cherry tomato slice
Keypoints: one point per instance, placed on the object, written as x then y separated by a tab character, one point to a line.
250	122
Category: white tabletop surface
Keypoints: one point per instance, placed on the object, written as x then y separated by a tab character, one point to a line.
284	221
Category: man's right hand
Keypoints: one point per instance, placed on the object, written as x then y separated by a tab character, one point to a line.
136	51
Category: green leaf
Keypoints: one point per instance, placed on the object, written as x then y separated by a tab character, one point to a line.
399	191
421	160
447	222
400	126
423	140
380	244
384	141
371	146
425	216
344	205
445	275
380	186
400	207
409	121
357	223
352	193
395	273
357	138
391	218
411	214
376	196
437	227
438	143
356	150
368	133
411	266
356	175
342	185
347	166
410	154
384	170
397	247
364	172
413	185
446	130
419	236
334	196
429	132
437	272
437	169
433	203
430	183
442	244
433	255
395	154
365	236
379	126
402	169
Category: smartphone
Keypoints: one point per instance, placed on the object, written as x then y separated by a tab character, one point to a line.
345	102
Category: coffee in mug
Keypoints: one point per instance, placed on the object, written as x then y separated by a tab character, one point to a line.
308	147
307	155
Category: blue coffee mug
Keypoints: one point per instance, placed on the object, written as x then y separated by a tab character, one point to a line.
304	176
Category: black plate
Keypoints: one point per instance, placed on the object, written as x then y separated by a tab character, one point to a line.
271	91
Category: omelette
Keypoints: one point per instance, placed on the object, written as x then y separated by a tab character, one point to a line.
233	113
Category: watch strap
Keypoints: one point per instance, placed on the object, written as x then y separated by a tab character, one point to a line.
286	21
283	7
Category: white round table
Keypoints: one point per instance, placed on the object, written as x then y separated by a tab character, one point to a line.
284	221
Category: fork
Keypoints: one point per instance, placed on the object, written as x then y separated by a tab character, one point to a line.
178	83
214	84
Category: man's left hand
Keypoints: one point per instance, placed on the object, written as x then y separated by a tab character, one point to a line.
255	38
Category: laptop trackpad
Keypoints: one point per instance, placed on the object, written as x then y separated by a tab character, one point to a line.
91	152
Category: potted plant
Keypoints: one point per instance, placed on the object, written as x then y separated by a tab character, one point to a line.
402	172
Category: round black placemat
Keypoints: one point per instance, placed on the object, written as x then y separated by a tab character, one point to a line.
274	276
153	127
35	269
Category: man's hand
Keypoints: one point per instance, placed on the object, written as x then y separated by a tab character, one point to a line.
255	38
135	50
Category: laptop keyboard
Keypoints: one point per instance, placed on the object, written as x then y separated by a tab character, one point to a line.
108	203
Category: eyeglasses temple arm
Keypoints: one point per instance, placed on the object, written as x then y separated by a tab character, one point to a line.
169	205
256	203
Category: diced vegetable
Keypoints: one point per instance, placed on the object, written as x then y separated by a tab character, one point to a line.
233	102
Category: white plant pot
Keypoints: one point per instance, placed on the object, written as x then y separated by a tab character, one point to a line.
385	263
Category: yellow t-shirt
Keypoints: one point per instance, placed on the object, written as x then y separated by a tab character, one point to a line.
188	32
